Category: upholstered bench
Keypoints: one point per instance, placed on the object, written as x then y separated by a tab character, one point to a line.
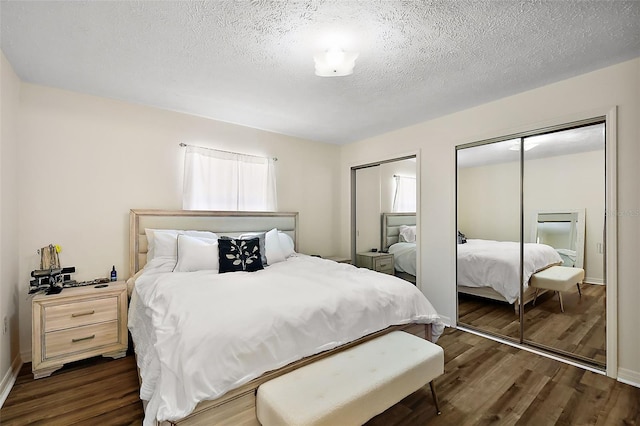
352	386
558	279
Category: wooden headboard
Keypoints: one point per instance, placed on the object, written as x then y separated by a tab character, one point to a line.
223	223
391	223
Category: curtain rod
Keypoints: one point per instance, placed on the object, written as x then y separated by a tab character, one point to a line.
182	144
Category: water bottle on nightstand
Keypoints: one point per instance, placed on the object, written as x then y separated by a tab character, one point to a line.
114	274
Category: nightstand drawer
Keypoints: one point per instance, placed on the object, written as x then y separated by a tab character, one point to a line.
383	264
68	315
80	339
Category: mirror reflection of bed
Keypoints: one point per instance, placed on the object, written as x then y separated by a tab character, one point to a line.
399	239
561	187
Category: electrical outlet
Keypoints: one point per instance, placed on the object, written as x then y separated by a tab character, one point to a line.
5	325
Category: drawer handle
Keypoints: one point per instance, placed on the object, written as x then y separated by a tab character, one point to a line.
81	314
83	338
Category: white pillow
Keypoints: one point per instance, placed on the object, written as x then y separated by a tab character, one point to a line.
274	253
164	242
407	234
197	254
160	264
286	244
151	240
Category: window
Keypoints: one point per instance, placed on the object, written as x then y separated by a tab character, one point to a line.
404	200
219	180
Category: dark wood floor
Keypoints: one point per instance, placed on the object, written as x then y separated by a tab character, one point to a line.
580	329
484	383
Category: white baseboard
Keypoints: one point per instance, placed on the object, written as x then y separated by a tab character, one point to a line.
26	356
597	281
9	379
629	377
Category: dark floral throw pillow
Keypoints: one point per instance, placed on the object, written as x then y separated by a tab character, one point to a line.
239	255
462	239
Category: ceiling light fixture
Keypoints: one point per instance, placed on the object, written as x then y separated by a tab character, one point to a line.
335	62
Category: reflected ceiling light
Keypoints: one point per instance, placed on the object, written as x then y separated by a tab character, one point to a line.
335	62
527	146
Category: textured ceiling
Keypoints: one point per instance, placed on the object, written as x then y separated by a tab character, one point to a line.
251	62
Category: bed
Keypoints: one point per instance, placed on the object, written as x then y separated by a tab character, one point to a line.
491	269
404	252
266	323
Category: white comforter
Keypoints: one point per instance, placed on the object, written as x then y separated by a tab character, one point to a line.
213	332
496	264
404	257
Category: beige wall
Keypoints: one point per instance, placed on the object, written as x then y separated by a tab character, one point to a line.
617	85
368	209
9	283
85	161
489	200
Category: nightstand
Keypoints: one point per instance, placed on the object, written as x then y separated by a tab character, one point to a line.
380	262
78	323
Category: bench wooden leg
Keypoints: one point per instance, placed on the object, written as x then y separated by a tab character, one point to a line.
435	397
579	291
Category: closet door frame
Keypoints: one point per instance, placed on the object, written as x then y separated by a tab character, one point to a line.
353	194
608	115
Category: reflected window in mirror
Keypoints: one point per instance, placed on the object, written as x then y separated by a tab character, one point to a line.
404	198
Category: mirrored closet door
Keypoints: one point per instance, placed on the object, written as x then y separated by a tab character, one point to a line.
530	252
564	206
488	182
384	200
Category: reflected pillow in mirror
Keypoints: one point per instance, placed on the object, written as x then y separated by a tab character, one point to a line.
407	234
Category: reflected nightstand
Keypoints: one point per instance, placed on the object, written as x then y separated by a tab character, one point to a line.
380	262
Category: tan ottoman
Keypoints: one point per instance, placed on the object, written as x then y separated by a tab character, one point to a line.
558	279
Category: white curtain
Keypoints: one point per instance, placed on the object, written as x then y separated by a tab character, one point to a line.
218	180
404	200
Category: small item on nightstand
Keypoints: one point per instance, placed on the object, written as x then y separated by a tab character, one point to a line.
114	274
101	286
374	250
